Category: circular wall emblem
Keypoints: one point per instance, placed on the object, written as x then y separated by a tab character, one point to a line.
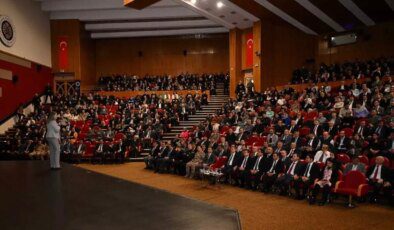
7	31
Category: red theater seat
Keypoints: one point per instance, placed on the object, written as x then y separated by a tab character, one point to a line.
353	184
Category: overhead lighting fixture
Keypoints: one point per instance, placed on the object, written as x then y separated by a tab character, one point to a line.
219	4
193	1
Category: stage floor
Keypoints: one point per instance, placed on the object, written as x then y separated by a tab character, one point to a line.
34	197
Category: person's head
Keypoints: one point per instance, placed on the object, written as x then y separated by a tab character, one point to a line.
316	122
329	163
286	132
275	156
233	149
259	152
355	160
52	116
326	135
210	150
271	131
308	158
269	150
283	154
342	133
293	145
293	122
362	123
324	147
296	134
245	152
295	157
379	160
279	144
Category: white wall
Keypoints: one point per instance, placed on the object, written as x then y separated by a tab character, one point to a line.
33	39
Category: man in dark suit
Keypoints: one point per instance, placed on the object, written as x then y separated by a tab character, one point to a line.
309	174
297	139
241	136
232	164
317	129
286	138
150	159
293	126
273	169
209	159
362	129
331	128
293	172
166	162
342	143
244	166
231	137
257	171
160	155
377	176
293	149
312	145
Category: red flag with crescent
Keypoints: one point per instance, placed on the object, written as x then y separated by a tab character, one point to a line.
63	53
249	50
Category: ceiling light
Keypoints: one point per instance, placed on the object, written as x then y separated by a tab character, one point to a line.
219	4
193	1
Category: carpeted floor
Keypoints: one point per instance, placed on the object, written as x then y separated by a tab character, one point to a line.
257	210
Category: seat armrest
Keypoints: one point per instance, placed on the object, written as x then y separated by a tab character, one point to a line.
362	190
338	185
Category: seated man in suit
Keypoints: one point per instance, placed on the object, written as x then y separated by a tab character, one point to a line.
331	128
244	166
377	176
150	159
162	152
286	138
231	166
293	149
209	158
342	143
272	138
355	165
310	173
312	145
66	149
119	150
257	171
166	162
293	172
271	172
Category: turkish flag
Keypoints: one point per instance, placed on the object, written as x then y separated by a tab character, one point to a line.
63	53
249	50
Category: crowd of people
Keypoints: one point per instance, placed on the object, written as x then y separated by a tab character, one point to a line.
201	82
289	142
285	141
106	127
379	67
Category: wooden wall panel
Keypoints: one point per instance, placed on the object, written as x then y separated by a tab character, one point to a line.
87	58
235	47
284	49
162	55
377	43
257	61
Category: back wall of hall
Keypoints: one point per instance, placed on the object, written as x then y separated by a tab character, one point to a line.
159	55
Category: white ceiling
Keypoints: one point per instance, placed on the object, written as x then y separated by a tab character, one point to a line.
110	19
